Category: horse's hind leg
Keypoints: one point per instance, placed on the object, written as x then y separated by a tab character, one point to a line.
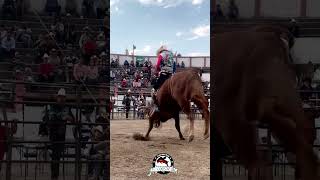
187	110
177	124
285	129
203	104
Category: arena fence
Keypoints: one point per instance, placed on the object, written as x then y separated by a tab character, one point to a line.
28	154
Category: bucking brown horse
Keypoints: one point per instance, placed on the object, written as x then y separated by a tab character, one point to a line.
175	96
254	82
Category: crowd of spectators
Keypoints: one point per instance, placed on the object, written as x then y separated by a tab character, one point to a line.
231	14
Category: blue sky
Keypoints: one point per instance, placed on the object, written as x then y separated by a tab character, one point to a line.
181	25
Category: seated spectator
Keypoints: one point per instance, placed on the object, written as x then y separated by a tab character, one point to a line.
80	71
8	45
58	28
46	70
85	36
71	7
113	63
53	7
178	65
117	62
306	86
182	64
87	8
28	75
54	58
24	35
3	32
132	63
103	57
233	10
100	42
92	73
9	9
124	83
126	64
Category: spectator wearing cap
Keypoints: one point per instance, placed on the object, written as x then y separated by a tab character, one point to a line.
127	102
80	71
46	70
8	45
59	115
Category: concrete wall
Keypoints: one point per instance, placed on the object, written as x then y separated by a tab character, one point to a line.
283	8
306	49
313	8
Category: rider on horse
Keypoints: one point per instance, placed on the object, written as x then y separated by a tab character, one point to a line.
164	68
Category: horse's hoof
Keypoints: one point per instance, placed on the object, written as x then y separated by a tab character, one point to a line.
191	138
205	136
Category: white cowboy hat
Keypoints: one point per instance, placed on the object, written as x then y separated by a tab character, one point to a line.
162	48
103	54
99	128
45	55
62	92
129	91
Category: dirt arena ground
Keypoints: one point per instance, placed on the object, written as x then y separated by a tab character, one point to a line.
131	159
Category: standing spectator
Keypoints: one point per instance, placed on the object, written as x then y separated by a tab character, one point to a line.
233	10
80	71
101	9
4	132
126	64
85	36
87	8
71	7
46	70
9	9
53	7
127	102
71	36
8	45
182	64
59	114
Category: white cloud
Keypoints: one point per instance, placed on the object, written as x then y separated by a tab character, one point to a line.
197	2
178	34
200	31
146	50
169	3
198	54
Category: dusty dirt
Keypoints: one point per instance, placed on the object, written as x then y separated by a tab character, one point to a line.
131	159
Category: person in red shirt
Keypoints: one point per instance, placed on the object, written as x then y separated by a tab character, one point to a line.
46	70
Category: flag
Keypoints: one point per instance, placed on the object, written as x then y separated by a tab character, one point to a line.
134	47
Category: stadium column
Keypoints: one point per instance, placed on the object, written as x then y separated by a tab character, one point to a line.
257	8
303	8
